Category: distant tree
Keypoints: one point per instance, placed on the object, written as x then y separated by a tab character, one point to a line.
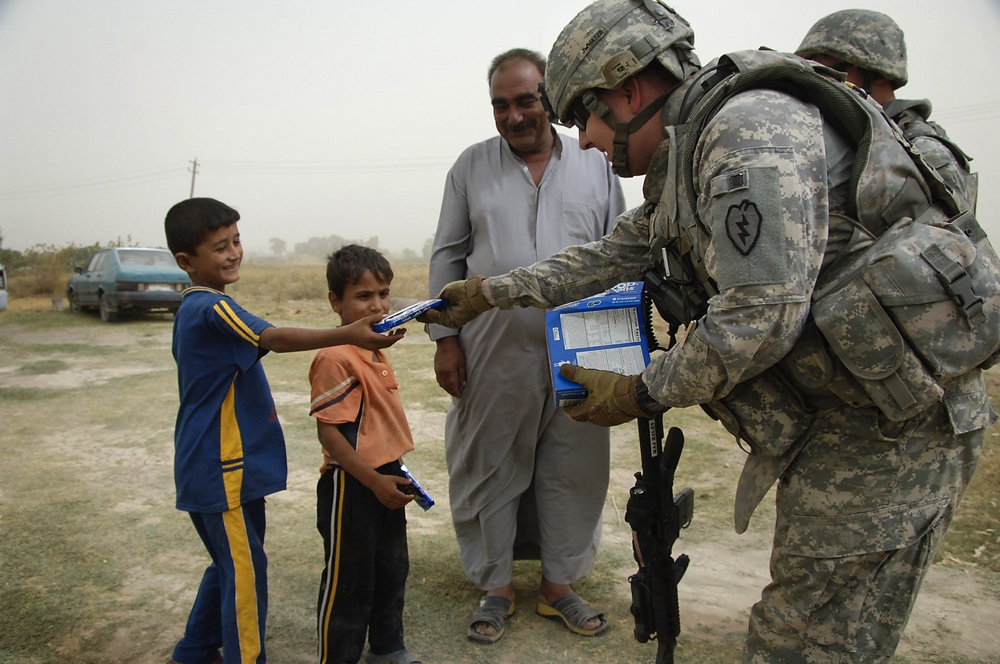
320	247
44	268
428	248
12	259
409	254
82	255
119	242
278	246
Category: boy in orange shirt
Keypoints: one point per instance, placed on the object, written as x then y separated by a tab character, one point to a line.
364	433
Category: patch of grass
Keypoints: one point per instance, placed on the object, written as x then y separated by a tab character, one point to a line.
42	368
932	659
13	394
38	313
40	562
77	350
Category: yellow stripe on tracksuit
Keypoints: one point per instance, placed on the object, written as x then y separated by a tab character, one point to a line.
333	577
231	448
247	624
227	314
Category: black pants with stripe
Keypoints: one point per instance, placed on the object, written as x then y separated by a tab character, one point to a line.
364	582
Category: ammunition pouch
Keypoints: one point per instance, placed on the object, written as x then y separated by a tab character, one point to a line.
919	306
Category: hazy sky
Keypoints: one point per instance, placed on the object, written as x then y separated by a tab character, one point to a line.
335	118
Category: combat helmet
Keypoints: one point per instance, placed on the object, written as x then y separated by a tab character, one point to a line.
860	37
607	43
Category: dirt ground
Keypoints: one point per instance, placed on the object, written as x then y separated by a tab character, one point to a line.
86	513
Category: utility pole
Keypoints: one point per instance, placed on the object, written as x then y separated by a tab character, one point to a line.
194	172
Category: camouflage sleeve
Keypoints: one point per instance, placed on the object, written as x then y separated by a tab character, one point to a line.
579	271
760	176
939	157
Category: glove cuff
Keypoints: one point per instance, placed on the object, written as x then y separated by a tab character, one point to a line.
477	299
643	402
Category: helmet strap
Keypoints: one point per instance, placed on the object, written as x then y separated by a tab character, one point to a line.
619	161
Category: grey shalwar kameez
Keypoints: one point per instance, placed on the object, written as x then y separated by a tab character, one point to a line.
508	448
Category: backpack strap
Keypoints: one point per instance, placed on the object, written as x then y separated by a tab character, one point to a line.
772	70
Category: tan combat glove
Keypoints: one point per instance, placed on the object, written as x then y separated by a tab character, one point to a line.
611	398
465	302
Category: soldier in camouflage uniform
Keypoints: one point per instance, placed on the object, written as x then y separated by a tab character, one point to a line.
862	501
870	49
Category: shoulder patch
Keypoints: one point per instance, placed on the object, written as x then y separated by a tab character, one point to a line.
743	224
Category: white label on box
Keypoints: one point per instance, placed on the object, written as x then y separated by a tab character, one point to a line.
603	327
627	360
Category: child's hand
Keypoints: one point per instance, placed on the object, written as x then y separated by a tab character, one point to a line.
387	492
360	333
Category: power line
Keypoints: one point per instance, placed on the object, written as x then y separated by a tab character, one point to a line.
144	176
320	167
221	167
963	114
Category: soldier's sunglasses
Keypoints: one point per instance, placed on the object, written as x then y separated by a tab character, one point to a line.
579	114
579	110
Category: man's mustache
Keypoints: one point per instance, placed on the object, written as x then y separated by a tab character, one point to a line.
521	126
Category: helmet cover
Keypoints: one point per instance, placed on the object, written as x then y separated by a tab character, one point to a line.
860	37
611	41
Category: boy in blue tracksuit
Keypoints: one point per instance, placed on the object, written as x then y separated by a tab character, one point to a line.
229	448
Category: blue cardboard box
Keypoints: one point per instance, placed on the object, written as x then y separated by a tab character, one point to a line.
606	331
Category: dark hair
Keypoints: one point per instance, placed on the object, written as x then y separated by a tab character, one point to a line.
349	264
534	57
189	221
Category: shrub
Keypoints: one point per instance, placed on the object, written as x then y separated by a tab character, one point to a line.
43	270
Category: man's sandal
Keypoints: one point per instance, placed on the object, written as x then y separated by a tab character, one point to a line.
574	613
494	611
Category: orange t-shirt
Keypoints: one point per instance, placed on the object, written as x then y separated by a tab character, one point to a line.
347	381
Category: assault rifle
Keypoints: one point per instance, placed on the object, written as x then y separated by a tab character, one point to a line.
656	517
655	514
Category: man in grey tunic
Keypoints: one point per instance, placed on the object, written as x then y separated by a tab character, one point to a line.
522	475
870	49
750	202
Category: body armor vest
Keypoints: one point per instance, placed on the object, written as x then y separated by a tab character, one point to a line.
912	302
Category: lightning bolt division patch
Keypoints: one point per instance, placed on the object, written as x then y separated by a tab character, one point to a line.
743	223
